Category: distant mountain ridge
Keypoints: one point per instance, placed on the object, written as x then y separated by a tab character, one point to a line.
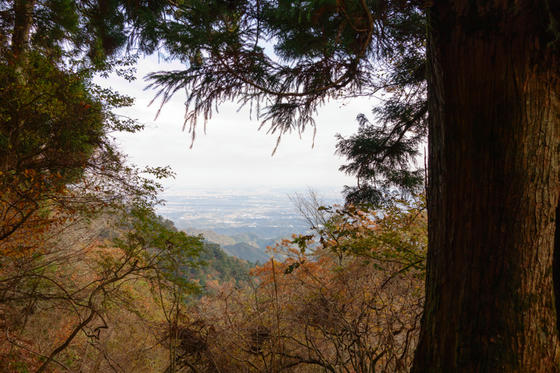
246	246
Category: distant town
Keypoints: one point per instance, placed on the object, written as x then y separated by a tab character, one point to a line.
243	222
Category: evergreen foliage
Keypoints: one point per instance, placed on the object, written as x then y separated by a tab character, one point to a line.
87	32
321	50
50	121
56	152
61	179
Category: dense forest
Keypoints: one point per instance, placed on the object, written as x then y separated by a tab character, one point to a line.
454	267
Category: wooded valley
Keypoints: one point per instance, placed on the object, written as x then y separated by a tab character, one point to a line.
448	263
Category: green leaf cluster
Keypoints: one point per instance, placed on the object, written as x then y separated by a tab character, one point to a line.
159	246
50	122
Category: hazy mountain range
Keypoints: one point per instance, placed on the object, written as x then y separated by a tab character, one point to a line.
247	246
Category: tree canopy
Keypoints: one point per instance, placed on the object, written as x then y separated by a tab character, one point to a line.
486	72
285	59
490	85
55	122
79	31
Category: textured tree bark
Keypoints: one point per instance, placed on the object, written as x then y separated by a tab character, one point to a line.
494	183
23	18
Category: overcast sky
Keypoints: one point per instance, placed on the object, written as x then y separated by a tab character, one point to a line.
232	153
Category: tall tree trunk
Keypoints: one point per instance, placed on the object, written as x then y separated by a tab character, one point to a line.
23	11
494	183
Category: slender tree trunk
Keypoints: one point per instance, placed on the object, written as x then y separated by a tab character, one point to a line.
494	183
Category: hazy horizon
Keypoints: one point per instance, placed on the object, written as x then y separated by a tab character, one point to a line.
232	153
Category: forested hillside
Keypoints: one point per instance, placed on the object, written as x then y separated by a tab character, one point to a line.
91	279
92	289
443	258
347	298
220	266
245	246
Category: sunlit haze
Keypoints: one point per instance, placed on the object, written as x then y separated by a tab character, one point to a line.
233	154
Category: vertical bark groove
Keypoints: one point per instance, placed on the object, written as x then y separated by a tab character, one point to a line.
556	268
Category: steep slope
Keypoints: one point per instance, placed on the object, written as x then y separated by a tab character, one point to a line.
246	246
243	250
220	266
